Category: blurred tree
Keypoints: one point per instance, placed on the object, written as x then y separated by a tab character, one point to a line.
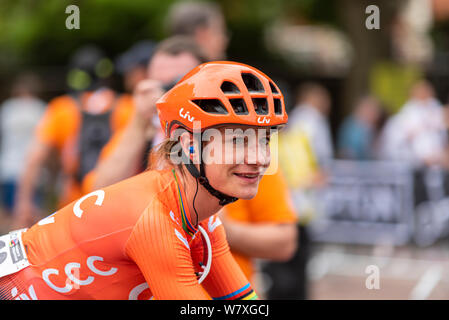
33	33
372	46
30	27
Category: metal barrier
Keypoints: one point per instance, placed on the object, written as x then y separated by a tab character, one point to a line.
374	202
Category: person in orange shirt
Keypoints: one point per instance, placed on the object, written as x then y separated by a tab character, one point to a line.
157	234
76	125
263	227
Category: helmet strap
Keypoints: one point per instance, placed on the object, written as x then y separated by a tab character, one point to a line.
200	175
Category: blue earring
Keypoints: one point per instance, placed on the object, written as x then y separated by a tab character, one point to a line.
191	149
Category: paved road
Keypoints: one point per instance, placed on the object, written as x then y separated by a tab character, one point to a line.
342	271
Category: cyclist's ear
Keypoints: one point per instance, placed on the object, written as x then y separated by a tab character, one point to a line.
189	147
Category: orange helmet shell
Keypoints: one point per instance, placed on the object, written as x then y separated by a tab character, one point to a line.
220	93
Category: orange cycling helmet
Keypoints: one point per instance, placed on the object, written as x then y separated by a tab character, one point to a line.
222	92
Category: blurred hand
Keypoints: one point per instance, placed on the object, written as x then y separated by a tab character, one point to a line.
24	215
230	225
227	223
145	95
222	215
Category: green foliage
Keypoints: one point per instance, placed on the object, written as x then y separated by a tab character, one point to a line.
35	31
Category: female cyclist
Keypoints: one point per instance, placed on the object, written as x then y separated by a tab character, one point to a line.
156	234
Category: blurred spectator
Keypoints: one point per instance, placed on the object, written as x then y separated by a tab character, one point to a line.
132	64
76	125
310	115
304	179
203	22
416	134
19	116
445	161
125	154
358	132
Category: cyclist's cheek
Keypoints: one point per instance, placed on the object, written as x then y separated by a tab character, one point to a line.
258	154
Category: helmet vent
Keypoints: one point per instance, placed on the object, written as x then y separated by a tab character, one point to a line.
260	105
229	87
239	106
213	106
273	88
252	83
277	106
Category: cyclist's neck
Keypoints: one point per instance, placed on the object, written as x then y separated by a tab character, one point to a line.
206	204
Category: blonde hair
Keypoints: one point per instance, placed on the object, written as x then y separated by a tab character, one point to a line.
161	155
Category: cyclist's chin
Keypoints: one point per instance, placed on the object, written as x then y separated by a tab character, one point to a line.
244	190
247	195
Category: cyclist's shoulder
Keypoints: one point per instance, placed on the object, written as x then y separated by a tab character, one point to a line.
134	192
159	218
163	205
143	190
162	186
118	205
156	181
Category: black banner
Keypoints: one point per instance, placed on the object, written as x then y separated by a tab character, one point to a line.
366	203
374	202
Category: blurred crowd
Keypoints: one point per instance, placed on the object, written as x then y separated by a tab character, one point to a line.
94	136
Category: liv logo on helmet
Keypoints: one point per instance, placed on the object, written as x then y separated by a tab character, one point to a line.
263	120
186	115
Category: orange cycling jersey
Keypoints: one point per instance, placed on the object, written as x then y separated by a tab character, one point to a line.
131	240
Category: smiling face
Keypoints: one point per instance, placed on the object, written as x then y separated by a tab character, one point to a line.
236	158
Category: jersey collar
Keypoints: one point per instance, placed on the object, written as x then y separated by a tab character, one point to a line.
187	225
